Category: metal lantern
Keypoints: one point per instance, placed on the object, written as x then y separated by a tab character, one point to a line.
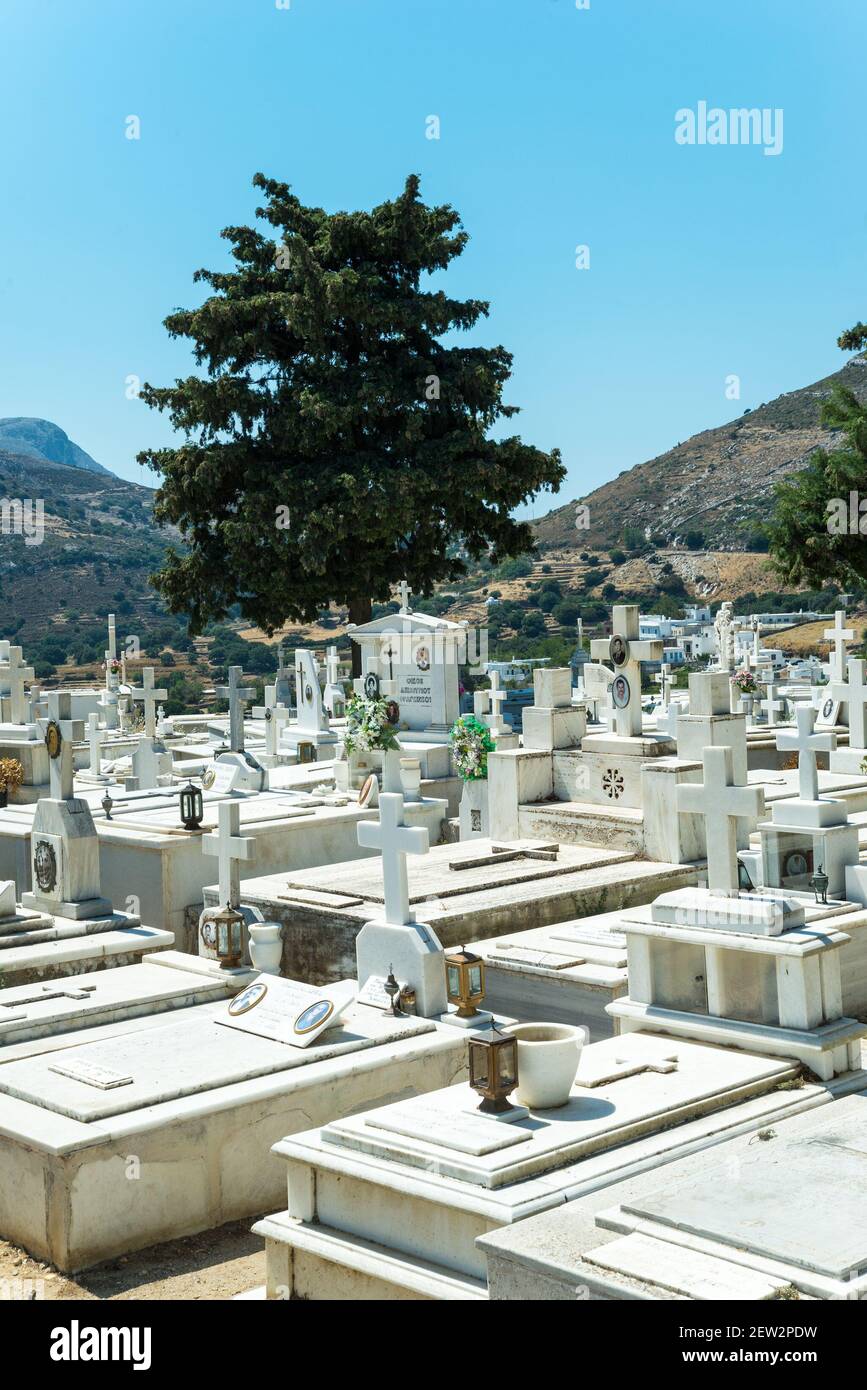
819	884
493	1068
306	751
228	937
465	981
192	807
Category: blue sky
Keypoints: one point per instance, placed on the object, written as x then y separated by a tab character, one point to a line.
556	129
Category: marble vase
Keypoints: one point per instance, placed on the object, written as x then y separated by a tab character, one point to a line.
266	947
548	1056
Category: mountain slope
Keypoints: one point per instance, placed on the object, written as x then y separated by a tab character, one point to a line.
32	438
719	482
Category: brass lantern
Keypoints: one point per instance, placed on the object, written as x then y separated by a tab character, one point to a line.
228	937
192	807
465	981
819	884
493	1068
306	751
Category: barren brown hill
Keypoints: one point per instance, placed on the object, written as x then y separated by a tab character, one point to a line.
719	482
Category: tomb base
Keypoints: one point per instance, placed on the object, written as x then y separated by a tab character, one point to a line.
413	953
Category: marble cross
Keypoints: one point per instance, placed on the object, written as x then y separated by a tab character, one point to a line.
403	589
236	694
721	804
839	636
17	674
497	724
663	680
94	739
395	841
627	717
771	705
275	718
230	847
332	666
112	638
853	694
61	770
50	992
148	695
807	744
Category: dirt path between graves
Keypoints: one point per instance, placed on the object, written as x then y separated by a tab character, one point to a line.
213	1265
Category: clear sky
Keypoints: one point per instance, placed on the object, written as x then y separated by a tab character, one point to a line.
557	129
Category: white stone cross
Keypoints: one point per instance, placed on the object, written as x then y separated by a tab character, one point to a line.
275	718
771	705
236	694
403	589
230	848
17	674
94	739
148	695
627	721
332	666
853	694
61	770
663	680
395	841
807	744
112	638
721	804
839	635
496	723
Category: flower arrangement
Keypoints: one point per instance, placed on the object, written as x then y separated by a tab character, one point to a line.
471	743
113	666
745	681
11	774
368	726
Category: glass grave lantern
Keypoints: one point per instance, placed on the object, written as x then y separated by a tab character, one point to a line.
465	981
493	1068
228	937
192	807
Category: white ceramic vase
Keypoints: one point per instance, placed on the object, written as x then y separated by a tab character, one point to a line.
548	1056
266	947
410	778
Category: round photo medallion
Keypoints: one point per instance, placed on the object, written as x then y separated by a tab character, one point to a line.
248	998
618	650
620	692
313	1016
371	685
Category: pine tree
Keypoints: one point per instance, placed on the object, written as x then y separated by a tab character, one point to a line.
335	445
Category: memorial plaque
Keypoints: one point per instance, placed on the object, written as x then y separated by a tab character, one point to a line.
467	1133
548	960
373	993
288	1011
103	1078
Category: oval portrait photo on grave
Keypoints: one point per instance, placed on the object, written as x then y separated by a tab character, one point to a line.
313	1016
618	651
371	685
827	708
422	658
248	998
620	692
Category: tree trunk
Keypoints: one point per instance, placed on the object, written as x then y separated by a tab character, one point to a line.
360	610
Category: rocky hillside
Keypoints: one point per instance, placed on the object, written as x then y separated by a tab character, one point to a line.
718	483
93	550
40	439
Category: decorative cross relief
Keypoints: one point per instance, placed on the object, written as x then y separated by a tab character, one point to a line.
395	841
237	695
148	695
807	744
721	803
626	652
839	636
52	992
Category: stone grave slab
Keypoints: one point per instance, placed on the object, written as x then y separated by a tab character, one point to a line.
415	1184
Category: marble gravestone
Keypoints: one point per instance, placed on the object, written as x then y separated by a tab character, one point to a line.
64	846
236	770
230	848
398	943
414	659
626	651
312	724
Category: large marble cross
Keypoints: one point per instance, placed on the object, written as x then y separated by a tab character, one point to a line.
236	694
853	694
626	704
17	675
50	992
663	680
807	744
403	590
61	770
148	694
721	804
230	848
395	841
839	636
276	716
